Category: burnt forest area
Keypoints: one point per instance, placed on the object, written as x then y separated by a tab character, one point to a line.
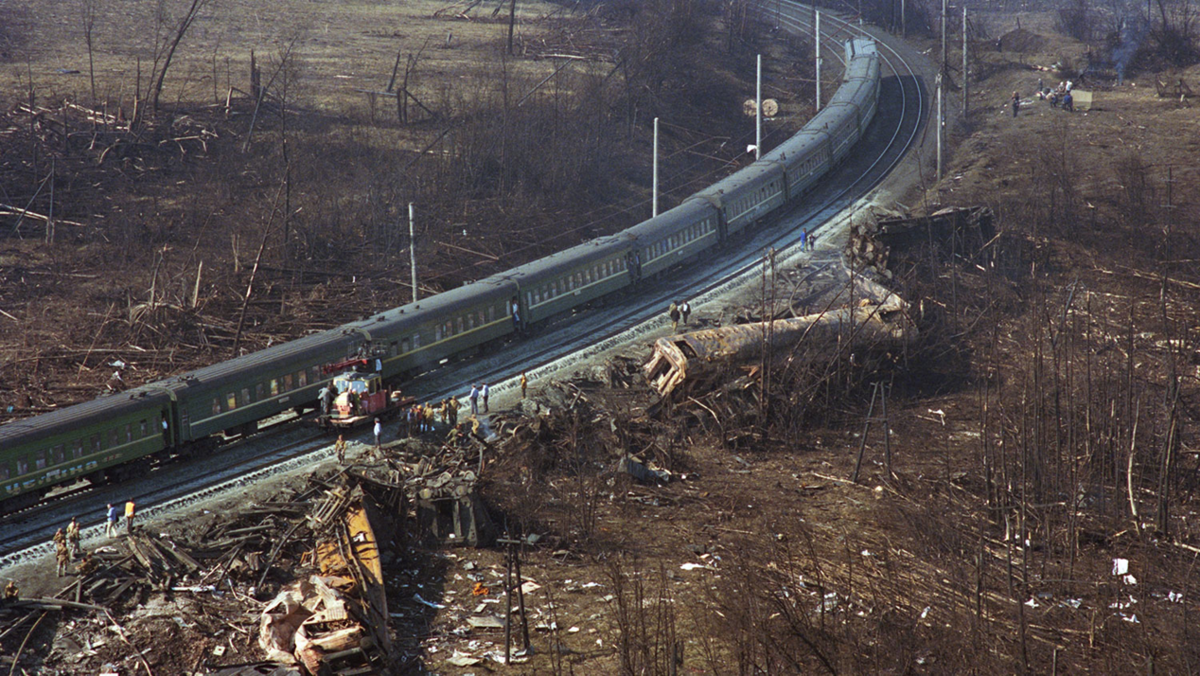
186	231
1026	504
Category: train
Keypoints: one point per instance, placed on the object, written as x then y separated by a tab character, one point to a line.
120	436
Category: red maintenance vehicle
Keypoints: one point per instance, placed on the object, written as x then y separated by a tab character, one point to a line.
358	395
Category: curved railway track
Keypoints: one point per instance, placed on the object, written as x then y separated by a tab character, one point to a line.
25	535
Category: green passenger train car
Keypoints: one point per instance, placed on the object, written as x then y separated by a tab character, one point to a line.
576	276
96	439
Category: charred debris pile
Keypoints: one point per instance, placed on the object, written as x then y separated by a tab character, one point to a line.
295	582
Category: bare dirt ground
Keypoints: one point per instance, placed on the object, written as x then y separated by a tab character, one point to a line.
1040	512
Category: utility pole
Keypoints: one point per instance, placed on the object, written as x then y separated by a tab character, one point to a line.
412	248
965	75
941	112
817	42
903	21
758	111
944	59
654	186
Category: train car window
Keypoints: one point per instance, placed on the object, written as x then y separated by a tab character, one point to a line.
77	449
245	396
491	313
22	466
58	455
404	346
416	340
216	407
393	349
141	428
5	472
231	400
95	443
287	383
302	378
258	392
437	332
314	374
128	432
274	391
114	438
39	460
460	325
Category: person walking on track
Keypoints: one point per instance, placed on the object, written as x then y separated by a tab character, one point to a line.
110	527
130	510
73	537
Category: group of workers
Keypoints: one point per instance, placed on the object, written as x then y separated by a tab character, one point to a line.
68	548
1055	95
676	311
420	418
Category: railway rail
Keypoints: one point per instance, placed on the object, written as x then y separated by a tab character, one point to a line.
609	323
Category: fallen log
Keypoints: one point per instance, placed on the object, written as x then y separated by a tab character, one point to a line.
677	359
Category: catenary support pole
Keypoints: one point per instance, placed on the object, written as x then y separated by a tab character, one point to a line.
654	185
944	61
412	248
903	21
940	123
817	42
966	75
758	111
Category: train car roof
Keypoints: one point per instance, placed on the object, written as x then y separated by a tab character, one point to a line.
592	250
860	47
84	414
690	211
798	143
760	172
492	288
282	356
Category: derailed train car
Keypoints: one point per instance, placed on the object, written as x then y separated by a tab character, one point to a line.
120	435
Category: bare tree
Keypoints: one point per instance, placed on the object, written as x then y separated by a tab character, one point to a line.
88	16
165	45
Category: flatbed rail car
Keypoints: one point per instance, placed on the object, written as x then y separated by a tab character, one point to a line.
122	434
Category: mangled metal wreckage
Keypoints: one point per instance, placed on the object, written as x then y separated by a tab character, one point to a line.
334	622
